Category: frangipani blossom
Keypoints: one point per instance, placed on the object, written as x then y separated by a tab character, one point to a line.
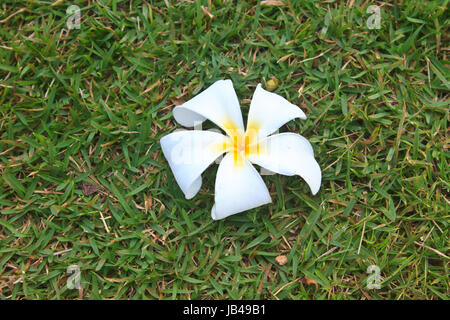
239	187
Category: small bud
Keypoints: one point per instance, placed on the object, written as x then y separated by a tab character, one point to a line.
272	84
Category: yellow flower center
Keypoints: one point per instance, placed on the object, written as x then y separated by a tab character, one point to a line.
242	145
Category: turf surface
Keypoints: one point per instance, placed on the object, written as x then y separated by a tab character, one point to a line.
83	180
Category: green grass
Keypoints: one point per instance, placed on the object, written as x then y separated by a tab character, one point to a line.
90	105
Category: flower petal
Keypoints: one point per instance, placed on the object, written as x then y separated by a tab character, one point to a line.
269	111
238	188
217	103
289	154
189	153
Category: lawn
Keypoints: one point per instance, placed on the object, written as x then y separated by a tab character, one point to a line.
87	194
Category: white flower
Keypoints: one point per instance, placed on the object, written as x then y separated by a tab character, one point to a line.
239	186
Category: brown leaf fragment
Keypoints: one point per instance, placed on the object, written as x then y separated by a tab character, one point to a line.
342	203
309	281
177	102
272	3
87	188
282	260
148	202
205	11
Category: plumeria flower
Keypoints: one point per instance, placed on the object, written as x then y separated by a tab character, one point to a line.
239	187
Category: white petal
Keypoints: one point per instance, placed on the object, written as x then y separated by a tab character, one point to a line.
289	154
269	111
238	188
217	103
189	153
